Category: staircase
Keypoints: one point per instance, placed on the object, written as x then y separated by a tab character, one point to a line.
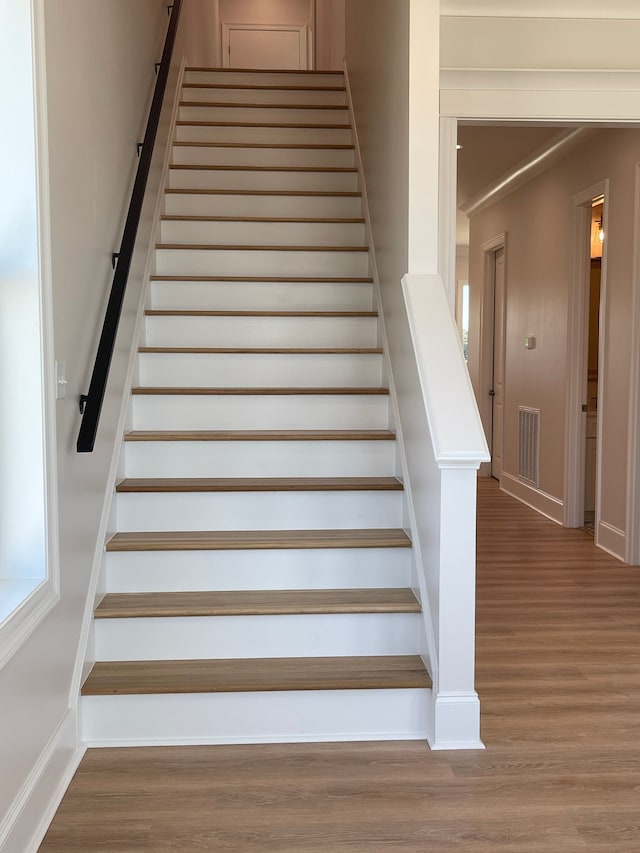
259	587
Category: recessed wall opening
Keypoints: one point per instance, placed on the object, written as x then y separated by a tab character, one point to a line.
562	193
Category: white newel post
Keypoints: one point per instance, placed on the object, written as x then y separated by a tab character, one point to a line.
456	704
458	446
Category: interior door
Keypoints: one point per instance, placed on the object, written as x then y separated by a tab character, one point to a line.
264	46
497	387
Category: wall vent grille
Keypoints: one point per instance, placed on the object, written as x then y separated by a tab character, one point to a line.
529	444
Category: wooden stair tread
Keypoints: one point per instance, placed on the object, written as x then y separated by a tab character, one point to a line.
260	435
280	219
259	484
287	602
262	350
206	312
253	105
263	87
307	146
270	124
238	392
243	247
294	193
262	674
313	72
263	279
225	167
243	540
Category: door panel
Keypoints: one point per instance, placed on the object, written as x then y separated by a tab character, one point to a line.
279	47
498	364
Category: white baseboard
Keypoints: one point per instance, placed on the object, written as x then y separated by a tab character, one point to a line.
33	809
533	497
611	539
456	722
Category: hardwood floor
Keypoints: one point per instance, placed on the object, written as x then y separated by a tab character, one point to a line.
558	674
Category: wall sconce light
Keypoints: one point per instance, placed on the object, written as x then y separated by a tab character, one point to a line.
600	231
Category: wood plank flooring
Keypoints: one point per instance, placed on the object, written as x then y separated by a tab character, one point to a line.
259	484
558	673
257	674
252	602
211	540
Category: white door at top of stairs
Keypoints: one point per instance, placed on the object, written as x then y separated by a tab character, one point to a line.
279	46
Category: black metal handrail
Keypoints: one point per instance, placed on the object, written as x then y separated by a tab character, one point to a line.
91	403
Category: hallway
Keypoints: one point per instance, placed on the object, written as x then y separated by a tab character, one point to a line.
559	680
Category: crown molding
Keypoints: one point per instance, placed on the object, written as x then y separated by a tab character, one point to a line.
528	168
594	9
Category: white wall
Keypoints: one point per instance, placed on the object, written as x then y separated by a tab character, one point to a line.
538	220
392	64
99	60
259	12
22	498
203	33
330	34
539	42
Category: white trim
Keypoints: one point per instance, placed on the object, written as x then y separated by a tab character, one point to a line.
301	29
485	336
533	497
527	95
23	621
457	435
589	9
535	163
80	670
429	653
611	539
17	627
447	207
27	819
341	737
539	79
313	35
632	554
577	343
457	716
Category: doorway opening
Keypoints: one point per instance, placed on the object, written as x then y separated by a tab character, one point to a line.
278	35
496	267
585	354
596	247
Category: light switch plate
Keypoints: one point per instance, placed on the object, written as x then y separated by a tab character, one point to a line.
61	380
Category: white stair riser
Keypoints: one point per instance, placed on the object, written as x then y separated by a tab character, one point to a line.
262	233
258	510
211	331
229	204
261	296
207	637
261	78
239	179
260	458
193	132
322	568
263	96
270	717
263	115
260	412
269	262
208	370
209	155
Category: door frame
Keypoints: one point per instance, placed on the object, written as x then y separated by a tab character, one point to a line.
632	540
301	29
577	344
487	332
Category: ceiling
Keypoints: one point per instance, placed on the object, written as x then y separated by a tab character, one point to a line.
487	153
